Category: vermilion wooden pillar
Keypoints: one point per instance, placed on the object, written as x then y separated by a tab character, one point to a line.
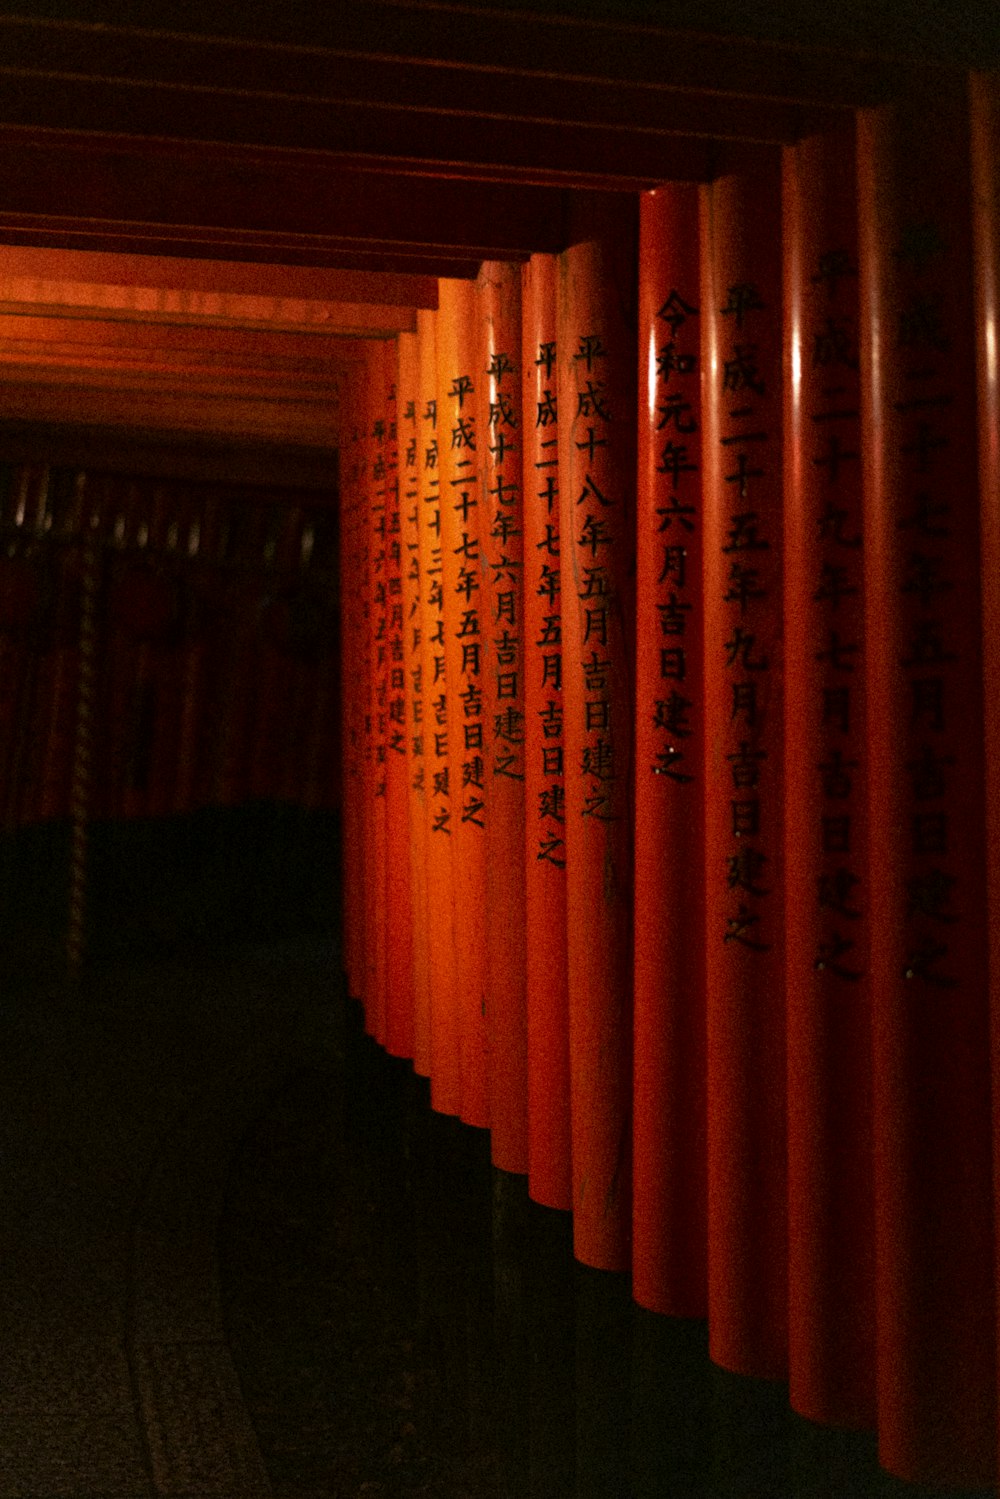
353	674
399	921
376	720
985	119
669	1246
596	394
441	957
415	697
831	1222
549	1149
933	1181
741	319
461	444
498	312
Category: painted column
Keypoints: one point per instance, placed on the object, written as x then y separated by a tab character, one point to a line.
549	1147
932	1090
498	311
462	446
416	698
831	1222
669	1233
376	708
741	318
441	961
399	919
596	394
353	674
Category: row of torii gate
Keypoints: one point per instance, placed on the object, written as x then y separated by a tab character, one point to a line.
669	574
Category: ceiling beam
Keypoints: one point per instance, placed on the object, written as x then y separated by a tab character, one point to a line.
58	232
507	42
303	355
131	306
196	195
137	84
311	286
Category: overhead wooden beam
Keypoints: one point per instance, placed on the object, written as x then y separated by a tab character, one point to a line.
61	232
550	154
138	83
145	306
196	195
313	287
119	344
508	42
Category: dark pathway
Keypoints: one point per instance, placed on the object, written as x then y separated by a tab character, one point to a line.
240	1256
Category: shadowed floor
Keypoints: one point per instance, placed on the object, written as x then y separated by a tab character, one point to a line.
241	1256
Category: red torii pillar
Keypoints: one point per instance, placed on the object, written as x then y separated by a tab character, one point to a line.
932	1085
549	1146
501	430
462	443
831	1216
669	1226
741	310
415	695
596	394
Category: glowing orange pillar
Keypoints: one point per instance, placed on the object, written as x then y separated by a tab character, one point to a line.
445	1020
354	678
669	1249
985	140
741	318
461	444
831	1222
399	920
549	1147
375	723
498	311
416	698
932	1090
596	394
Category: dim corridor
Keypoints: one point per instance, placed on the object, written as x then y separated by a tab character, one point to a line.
241	1256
